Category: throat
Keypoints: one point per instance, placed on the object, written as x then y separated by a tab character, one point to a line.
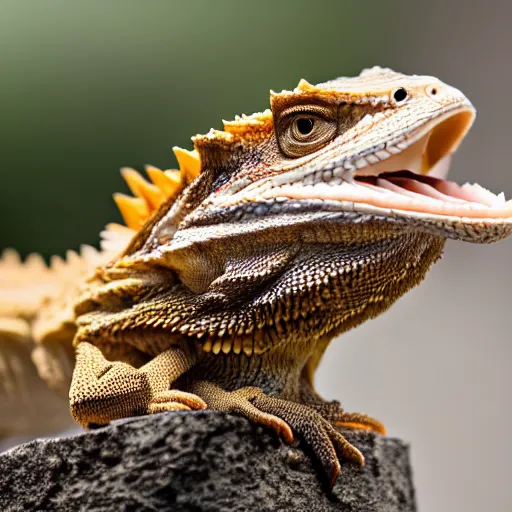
328	290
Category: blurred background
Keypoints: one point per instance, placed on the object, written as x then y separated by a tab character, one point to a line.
88	87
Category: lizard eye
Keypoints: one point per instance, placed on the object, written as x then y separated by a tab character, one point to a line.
304	128
305	125
303	132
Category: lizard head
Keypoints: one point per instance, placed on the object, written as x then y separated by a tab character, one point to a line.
350	153
378	145
343	181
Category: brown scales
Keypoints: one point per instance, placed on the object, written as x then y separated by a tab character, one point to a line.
233	275
37	301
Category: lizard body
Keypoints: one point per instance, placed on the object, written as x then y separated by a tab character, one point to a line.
303	221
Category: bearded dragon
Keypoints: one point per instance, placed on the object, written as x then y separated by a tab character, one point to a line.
280	232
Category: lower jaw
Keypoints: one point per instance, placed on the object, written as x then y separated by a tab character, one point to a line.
393	190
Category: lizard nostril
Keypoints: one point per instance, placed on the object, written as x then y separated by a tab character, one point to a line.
400	95
432	91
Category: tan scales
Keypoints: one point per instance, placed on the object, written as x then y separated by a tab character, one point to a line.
231	277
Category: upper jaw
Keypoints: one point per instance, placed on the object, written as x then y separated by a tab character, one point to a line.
423	149
374	182
401	180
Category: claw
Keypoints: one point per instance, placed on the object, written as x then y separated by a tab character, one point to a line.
359	422
334	473
360	426
345	450
281	427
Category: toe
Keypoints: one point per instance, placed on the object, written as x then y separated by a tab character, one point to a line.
240	401
282	428
167	407
191	401
344	449
359	422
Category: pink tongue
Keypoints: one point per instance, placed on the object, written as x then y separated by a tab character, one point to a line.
425	190
440	189
452	189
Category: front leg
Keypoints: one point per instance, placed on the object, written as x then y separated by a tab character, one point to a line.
102	390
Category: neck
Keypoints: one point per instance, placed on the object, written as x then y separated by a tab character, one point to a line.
328	290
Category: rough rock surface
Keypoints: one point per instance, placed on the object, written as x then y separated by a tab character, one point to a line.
201	461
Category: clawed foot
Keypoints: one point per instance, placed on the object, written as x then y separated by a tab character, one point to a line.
240	401
314	426
103	390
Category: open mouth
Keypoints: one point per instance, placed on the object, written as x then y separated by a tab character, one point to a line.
409	176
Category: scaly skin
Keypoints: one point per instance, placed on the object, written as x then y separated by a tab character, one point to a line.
37	318
230	292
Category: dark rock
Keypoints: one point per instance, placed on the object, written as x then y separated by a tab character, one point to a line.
201	461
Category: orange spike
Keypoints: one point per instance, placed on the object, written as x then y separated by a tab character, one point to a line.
143	189
175	176
133	209
305	86
168	182
189	162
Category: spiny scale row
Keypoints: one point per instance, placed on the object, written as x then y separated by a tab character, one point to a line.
150	195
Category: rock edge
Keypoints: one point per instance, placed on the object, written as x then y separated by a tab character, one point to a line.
198	461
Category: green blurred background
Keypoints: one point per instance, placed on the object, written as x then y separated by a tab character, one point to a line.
87	87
